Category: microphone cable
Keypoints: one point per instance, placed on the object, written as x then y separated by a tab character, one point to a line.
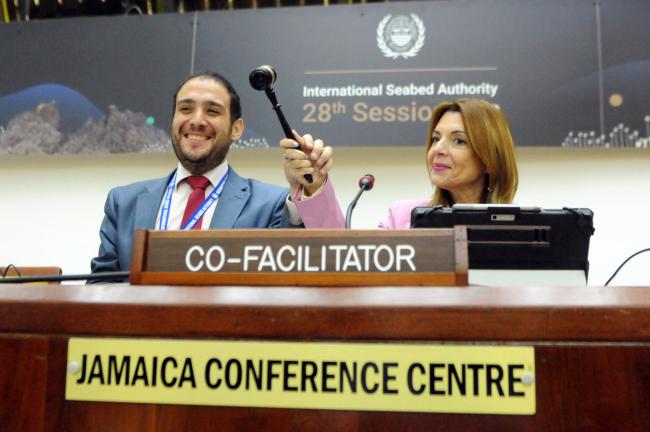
625	262
60	278
9	267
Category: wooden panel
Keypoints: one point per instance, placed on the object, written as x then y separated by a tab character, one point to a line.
592	349
23	380
579	388
303	279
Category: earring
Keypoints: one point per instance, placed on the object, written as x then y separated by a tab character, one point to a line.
487	183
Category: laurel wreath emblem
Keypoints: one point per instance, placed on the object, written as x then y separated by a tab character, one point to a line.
385	49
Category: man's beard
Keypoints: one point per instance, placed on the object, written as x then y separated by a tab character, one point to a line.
203	164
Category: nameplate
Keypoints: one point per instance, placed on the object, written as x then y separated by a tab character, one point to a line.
405	377
301	257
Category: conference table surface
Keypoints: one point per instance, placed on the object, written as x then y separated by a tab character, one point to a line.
330	313
458	313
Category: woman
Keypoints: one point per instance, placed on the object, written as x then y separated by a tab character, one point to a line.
470	159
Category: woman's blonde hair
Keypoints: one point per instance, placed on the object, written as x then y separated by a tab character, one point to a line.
490	138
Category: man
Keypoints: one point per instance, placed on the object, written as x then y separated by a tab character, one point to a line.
204	192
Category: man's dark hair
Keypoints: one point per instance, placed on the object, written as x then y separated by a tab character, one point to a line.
235	106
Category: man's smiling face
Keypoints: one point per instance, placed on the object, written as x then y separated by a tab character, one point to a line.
202	129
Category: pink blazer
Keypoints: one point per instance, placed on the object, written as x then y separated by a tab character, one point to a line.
399	214
323	211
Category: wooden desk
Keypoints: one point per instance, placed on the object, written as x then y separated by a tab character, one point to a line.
592	349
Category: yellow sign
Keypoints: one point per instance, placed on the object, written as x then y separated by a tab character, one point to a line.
338	376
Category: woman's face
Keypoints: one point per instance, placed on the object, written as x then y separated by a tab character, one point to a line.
453	165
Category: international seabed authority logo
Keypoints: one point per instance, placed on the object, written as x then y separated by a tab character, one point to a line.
400	35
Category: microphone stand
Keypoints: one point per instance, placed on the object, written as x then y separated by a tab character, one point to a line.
366	183
353	204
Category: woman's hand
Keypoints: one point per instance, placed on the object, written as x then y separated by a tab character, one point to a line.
303	155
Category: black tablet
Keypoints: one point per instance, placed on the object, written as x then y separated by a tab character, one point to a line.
517	237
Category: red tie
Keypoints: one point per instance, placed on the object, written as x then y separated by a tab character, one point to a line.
198	183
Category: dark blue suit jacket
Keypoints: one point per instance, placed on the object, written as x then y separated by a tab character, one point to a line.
244	203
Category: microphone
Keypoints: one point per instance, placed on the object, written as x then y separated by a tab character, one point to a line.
60	278
366	183
262	79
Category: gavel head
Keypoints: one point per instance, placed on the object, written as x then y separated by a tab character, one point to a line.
262	78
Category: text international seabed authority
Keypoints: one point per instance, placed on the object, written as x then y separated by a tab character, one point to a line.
412	89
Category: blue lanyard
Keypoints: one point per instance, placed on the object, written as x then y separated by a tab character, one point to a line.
198	214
